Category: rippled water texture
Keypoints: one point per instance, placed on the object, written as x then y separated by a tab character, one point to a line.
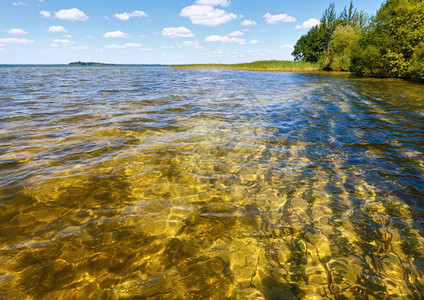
155	183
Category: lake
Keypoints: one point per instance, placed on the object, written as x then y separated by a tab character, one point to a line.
159	183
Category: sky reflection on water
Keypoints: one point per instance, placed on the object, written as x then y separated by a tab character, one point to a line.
120	182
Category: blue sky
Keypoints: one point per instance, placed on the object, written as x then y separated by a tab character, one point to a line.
157	31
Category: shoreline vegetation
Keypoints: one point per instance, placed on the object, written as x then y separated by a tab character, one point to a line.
387	45
269	65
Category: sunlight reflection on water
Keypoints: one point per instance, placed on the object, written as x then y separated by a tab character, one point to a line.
120	182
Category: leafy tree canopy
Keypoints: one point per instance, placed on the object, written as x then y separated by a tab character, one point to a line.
311	46
390	44
394	38
337	57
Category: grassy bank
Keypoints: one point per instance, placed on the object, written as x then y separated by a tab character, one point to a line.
270	65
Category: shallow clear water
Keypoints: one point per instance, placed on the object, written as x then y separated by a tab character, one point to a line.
155	183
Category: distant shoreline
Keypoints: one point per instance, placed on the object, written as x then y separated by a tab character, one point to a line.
90	63
244	69
270	66
83	65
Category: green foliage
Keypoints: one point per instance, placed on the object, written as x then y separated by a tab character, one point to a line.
312	46
269	65
309	47
388	46
368	61
350	16
416	65
391	44
329	18
337	57
276	65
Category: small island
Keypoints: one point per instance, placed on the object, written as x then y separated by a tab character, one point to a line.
82	63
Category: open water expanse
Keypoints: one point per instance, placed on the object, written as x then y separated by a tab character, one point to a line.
158	183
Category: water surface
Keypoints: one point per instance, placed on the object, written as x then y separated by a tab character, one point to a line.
155	183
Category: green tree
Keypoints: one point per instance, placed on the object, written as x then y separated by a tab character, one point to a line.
315	43
310	46
337	57
393	37
329	18
351	16
367	61
416	66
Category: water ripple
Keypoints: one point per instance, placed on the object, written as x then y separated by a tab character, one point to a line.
129	182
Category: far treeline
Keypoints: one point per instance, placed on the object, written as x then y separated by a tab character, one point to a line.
389	44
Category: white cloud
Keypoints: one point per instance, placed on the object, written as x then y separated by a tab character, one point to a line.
177	32
81	48
281	18
223	3
254	42
63	42
72	14
57	29
126	16
114	46
17	31
20	3
116	35
122	17
192	44
236	33
207	15
224	39
15	41
125	46
45	14
308	24
138	14
248	23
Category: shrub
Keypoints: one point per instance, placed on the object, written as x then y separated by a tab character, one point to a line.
339	52
416	66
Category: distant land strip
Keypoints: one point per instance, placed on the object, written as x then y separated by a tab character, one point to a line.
90	63
269	65
84	63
